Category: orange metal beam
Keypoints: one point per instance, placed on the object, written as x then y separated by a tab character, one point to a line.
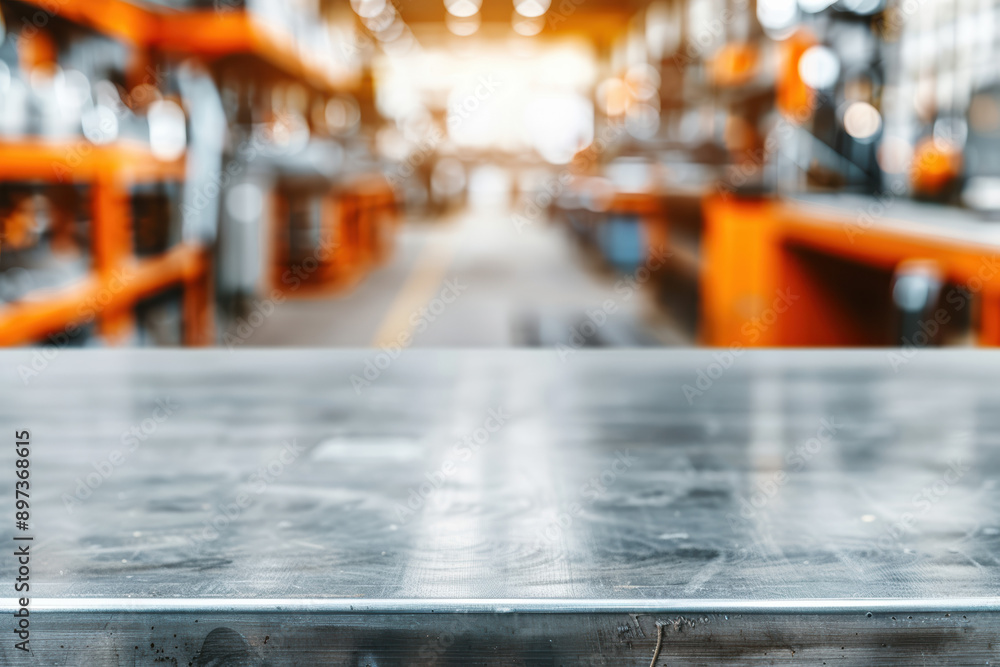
116	18
67	309
214	34
81	161
207	33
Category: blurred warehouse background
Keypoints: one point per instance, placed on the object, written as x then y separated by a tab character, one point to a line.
492	173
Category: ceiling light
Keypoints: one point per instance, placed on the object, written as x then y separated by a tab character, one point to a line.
463	26
527	26
819	67
462	8
862	121
367	9
531	8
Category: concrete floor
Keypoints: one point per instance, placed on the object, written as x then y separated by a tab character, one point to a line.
473	279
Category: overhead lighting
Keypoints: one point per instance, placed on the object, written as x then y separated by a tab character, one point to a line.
367	9
814	6
527	26
462	26
559	125
381	21
777	17
862	121
531	8
391	32
463	8
819	67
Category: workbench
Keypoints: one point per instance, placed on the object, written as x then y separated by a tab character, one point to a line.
507	508
809	270
837	254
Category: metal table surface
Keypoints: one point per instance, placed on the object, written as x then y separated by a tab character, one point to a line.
508	507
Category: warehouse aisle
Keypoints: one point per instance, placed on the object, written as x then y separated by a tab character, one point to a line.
474	280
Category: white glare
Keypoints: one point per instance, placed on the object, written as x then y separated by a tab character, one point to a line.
167	130
819	67
862	121
531	8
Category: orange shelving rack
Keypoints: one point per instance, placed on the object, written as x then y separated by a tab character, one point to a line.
117	279
360	211
358	221
200	32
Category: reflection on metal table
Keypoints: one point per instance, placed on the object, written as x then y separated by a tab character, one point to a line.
552	507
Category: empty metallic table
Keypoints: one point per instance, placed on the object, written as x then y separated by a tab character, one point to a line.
519	507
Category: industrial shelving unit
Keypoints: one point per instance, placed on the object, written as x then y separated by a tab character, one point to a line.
118	279
352	227
232	40
207	33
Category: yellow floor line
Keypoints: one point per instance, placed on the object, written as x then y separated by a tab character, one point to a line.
418	290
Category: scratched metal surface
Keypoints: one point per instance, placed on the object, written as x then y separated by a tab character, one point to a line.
724	496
